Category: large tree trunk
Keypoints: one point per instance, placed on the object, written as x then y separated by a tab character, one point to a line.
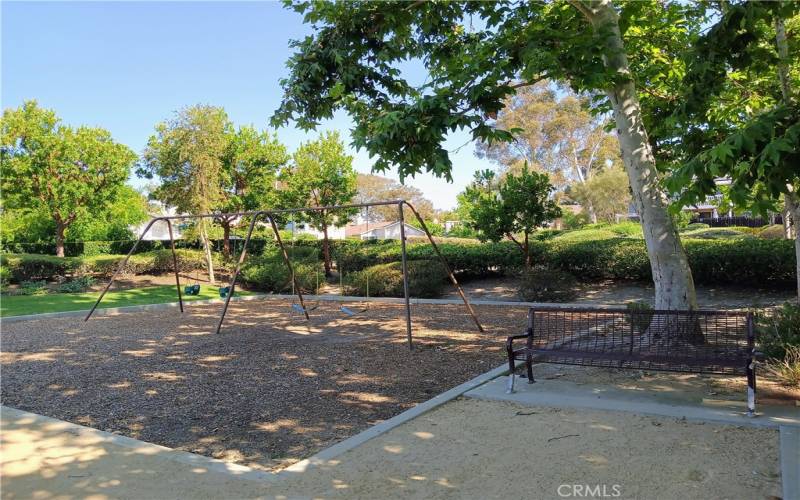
672	276
226	237
791	198
61	229
326	251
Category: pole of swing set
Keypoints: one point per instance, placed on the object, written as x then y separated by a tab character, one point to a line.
238	268
405	273
121	267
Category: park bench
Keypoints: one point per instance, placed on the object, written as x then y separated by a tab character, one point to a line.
703	342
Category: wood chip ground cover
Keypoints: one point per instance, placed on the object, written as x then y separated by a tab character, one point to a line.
272	389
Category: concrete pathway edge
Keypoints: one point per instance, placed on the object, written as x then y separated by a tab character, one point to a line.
248	473
387	425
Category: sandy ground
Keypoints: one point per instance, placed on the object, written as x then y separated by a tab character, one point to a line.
464	449
272	389
479	449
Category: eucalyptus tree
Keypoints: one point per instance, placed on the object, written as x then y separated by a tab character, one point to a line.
476	55
186	154
376	188
65	172
555	132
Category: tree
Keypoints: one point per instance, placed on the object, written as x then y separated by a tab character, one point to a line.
515	205
607	192
556	133
186	153
128	208
249	174
373	188
353	59
66	172
757	145
321	175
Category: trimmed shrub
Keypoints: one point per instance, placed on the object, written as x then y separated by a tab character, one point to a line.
5	276
694	226
426	279
717	233
773	232
779	331
27	267
745	262
611	258
76	285
543	284
627	228
593	234
640	322
269	272
32	288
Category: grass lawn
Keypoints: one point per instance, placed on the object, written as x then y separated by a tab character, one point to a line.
17	305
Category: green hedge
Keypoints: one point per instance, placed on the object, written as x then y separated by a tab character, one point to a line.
747	261
474	259
269	273
26	267
609	258
426	278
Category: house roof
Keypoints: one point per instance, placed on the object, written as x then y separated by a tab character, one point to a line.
359	229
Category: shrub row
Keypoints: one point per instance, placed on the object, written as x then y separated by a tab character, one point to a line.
268	272
426	278
26	267
747	262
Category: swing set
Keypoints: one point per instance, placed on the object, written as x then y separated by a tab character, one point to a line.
300	306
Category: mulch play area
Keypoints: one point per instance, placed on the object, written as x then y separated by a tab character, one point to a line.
271	390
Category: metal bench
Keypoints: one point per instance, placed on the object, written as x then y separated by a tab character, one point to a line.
703	342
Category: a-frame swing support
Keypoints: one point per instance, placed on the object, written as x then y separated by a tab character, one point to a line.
270	214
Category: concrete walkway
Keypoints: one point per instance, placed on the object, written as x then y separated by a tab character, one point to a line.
45	458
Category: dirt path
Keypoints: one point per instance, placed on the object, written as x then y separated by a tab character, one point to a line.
610	292
481	449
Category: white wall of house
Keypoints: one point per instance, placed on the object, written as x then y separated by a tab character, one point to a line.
334	233
391	232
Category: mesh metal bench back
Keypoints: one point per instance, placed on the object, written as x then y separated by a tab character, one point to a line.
719	342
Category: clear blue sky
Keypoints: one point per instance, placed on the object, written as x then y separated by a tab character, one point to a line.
127	66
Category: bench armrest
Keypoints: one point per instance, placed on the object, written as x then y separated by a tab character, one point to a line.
510	340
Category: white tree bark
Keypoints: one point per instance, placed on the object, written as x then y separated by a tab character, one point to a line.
791	198
793	208
674	287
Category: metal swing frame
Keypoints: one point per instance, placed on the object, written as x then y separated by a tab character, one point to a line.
270	215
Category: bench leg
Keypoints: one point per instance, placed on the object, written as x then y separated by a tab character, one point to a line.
529	368
751	388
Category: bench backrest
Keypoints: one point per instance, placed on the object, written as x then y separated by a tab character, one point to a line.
690	341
